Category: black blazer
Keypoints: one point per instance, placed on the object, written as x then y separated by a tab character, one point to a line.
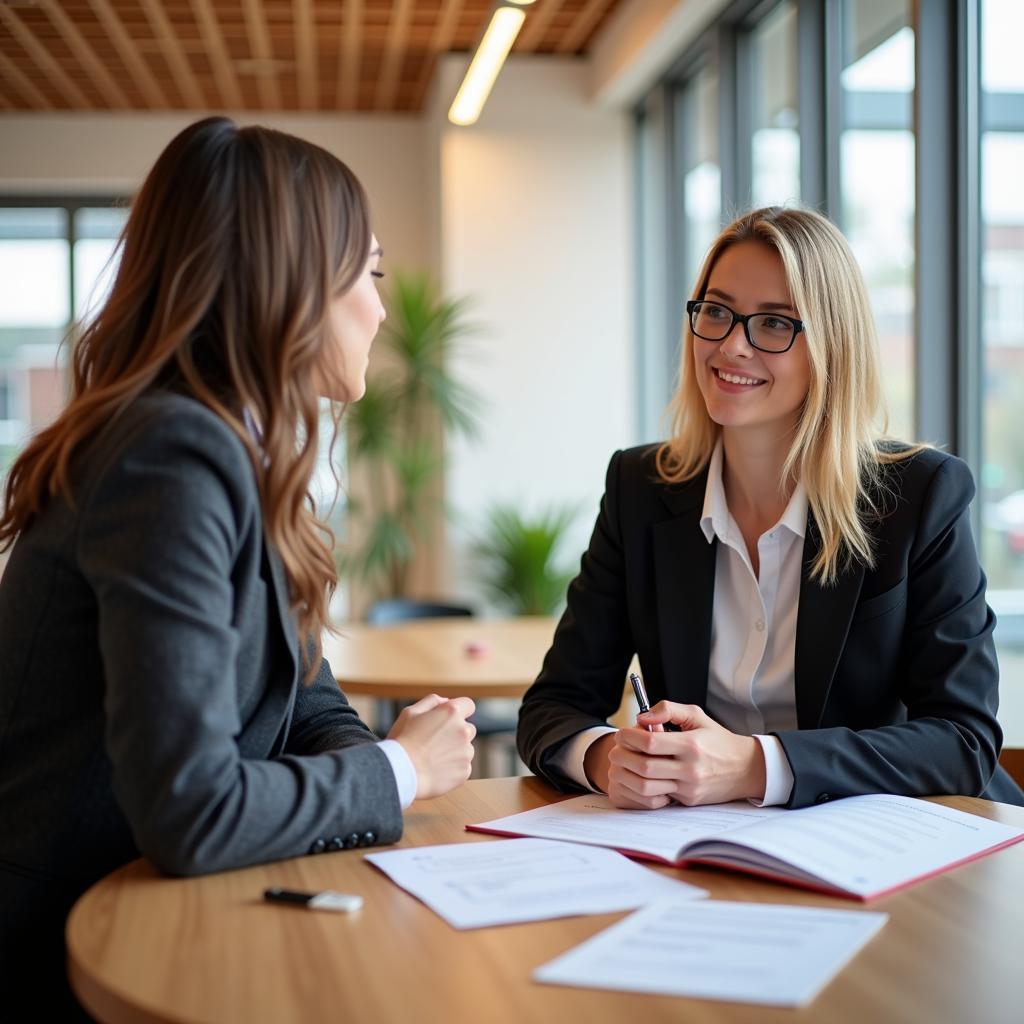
895	669
150	700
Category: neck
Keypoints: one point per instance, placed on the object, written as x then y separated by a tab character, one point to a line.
751	471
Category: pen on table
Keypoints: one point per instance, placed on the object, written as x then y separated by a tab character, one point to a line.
343	902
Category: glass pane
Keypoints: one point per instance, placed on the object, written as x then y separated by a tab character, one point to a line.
34	311
697	130
877	182
1002	329
775	144
97	231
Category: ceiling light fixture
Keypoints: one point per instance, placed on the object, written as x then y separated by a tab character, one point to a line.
506	21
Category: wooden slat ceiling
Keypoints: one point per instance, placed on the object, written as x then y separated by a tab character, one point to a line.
254	54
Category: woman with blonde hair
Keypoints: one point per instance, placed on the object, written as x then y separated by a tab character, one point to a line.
162	690
803	594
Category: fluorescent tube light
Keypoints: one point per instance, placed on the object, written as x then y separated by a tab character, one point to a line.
486	63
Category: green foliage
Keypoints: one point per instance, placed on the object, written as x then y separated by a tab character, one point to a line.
392	430
517	558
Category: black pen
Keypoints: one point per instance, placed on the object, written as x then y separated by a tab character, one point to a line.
645	704
641	696
342	902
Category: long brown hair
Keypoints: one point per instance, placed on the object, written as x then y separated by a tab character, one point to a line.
839	449
235	245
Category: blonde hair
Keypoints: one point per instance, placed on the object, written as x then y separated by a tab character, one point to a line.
236	244
836	451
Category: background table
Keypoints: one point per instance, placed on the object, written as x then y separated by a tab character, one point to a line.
411	659
143	948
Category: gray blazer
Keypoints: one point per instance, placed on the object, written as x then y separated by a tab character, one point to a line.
150	700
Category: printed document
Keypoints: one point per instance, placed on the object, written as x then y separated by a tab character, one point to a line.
474	885
738	952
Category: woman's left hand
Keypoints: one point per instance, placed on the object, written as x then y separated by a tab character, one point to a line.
705	763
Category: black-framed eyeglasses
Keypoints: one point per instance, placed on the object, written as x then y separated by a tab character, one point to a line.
769	332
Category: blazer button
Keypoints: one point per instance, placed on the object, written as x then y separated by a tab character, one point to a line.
319	846
351	841
823	798
369	838
337	843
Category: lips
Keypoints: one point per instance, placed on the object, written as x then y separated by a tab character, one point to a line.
739	379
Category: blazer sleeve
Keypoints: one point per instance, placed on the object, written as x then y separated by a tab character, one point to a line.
580	684
323	719
158	536
948	675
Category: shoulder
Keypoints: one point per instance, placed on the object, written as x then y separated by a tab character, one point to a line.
173	437
923	494
634	472
916	473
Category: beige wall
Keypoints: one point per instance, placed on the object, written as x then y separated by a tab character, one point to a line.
535	225
111	153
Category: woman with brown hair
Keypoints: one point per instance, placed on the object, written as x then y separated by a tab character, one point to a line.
162	690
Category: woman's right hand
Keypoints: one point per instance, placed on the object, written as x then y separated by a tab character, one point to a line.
439	741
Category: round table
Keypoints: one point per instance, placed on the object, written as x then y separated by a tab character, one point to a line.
145	949
452	657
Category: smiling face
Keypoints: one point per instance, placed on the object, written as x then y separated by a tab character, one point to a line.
354	319
745	388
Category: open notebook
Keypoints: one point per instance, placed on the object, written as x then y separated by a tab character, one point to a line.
861	847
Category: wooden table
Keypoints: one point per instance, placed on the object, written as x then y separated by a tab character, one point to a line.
411	659
143	948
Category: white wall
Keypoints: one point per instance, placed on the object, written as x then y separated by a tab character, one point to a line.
110	154
535	226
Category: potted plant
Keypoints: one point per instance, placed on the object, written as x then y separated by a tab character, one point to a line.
395	432
518	559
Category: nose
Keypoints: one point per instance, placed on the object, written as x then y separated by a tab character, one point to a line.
735	342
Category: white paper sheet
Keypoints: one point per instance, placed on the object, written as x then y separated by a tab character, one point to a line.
474	885
738	952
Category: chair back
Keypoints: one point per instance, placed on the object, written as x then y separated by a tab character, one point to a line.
401	609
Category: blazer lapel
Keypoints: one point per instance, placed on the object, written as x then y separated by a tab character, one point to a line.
823	621
282	603
684	569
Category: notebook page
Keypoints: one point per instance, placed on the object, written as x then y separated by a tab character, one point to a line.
870	844
592	819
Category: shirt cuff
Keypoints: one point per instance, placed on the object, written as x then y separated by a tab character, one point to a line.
777	772
404	769
568	755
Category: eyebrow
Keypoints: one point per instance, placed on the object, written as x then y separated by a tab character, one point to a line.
763	305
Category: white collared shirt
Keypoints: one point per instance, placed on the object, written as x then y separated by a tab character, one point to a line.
753	635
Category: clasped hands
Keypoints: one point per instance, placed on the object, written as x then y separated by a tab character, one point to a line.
704	763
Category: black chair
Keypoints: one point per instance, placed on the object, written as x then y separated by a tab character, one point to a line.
402	609
392	610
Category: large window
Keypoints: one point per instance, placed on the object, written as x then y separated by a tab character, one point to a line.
876	164
696	131
1002	328
774	137
54	257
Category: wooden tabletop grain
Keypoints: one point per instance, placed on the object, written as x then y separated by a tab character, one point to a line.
144	948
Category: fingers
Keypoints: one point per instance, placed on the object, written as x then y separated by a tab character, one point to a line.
428	703
658	744
686	716
643	765
464	706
